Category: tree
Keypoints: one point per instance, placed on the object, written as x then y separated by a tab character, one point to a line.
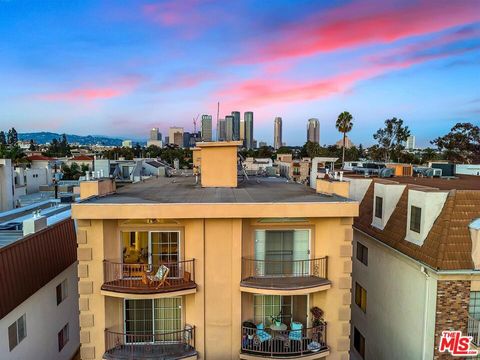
311	149
32	146
12	152
344	125
265	152
3	140
12	137
391	138
461	144
284	150
429	154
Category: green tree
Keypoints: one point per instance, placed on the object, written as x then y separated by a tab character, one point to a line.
32	146
265	152
344	125
3	140
284	150
391	138
15	153
461	144
429	154
12	137
311	149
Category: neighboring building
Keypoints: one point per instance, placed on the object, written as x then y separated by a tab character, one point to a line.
262	144
38	283
248	119
229	128
127	144
348	143
242	131
277	133
175	135
158	143
12	186
33	179
190	139
221	130
167	139
410	144
467	169
257	165
229	258
207	128
416	265
313	130
296	170
236	125
155	134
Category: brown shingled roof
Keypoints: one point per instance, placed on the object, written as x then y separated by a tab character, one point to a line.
448	244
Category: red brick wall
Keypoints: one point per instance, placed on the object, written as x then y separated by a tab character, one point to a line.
452	310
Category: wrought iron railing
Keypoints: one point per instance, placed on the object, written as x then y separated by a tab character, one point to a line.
473	330
270	342
135	346
142	276
252	268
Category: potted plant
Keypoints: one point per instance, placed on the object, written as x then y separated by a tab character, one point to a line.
317	321
277	319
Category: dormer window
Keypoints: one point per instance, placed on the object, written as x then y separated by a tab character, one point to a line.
378	207
415	218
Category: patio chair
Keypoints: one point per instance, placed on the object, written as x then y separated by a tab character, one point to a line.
160	277
296	331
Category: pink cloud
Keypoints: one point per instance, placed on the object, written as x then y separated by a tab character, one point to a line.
94	92
371	23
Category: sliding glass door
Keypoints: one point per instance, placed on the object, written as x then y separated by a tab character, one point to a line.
282	252
287	308
152	320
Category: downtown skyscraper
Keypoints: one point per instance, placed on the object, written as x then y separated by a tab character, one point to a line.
248	119
313	130
236	125
277	133
229	126
206	127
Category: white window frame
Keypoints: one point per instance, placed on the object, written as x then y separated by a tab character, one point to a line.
17	335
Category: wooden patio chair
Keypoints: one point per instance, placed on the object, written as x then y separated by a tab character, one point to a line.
160	277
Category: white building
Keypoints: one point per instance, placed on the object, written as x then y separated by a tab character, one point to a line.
410	144
38	288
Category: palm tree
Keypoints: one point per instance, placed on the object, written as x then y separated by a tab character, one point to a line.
344	125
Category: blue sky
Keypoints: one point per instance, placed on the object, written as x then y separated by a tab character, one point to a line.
120	68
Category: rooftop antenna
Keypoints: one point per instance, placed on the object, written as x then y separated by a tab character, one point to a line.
195	123
218	114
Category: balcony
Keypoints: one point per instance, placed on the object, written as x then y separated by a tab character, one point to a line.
473	330
140	278
275	276
165	346
306	342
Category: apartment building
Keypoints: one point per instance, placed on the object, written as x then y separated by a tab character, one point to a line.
225	269
415	265
293	169
38	283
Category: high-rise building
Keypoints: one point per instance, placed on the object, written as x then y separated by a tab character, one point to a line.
155	134
206	127
313	130
155	279
155	138
190	139
248	119
277	133
229	120
221	130
242	130
410	144
262	144
236	125
173	138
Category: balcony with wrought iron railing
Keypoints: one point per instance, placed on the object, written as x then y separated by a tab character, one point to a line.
310	274
166	277
304	342
473	330
165	345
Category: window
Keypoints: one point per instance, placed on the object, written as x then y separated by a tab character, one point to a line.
265	306
17	332
62	291
378	207
362	253
146	318
361	297
415	218
359	342
474	306
63	337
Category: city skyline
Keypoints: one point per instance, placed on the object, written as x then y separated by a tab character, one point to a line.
111	73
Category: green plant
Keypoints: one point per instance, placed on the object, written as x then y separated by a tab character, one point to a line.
317	314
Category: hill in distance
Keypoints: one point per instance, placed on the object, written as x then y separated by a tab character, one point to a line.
47	137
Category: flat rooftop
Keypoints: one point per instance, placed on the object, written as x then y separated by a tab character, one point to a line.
460	182
183	190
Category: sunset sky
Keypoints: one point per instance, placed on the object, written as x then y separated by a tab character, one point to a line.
118	68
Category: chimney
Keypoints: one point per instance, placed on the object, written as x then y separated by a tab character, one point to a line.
218	163
96	187
34	224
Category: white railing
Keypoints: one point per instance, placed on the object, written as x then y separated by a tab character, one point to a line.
473	330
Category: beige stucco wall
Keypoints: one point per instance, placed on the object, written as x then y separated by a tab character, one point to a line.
219	163
340	188
96	187
216	308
